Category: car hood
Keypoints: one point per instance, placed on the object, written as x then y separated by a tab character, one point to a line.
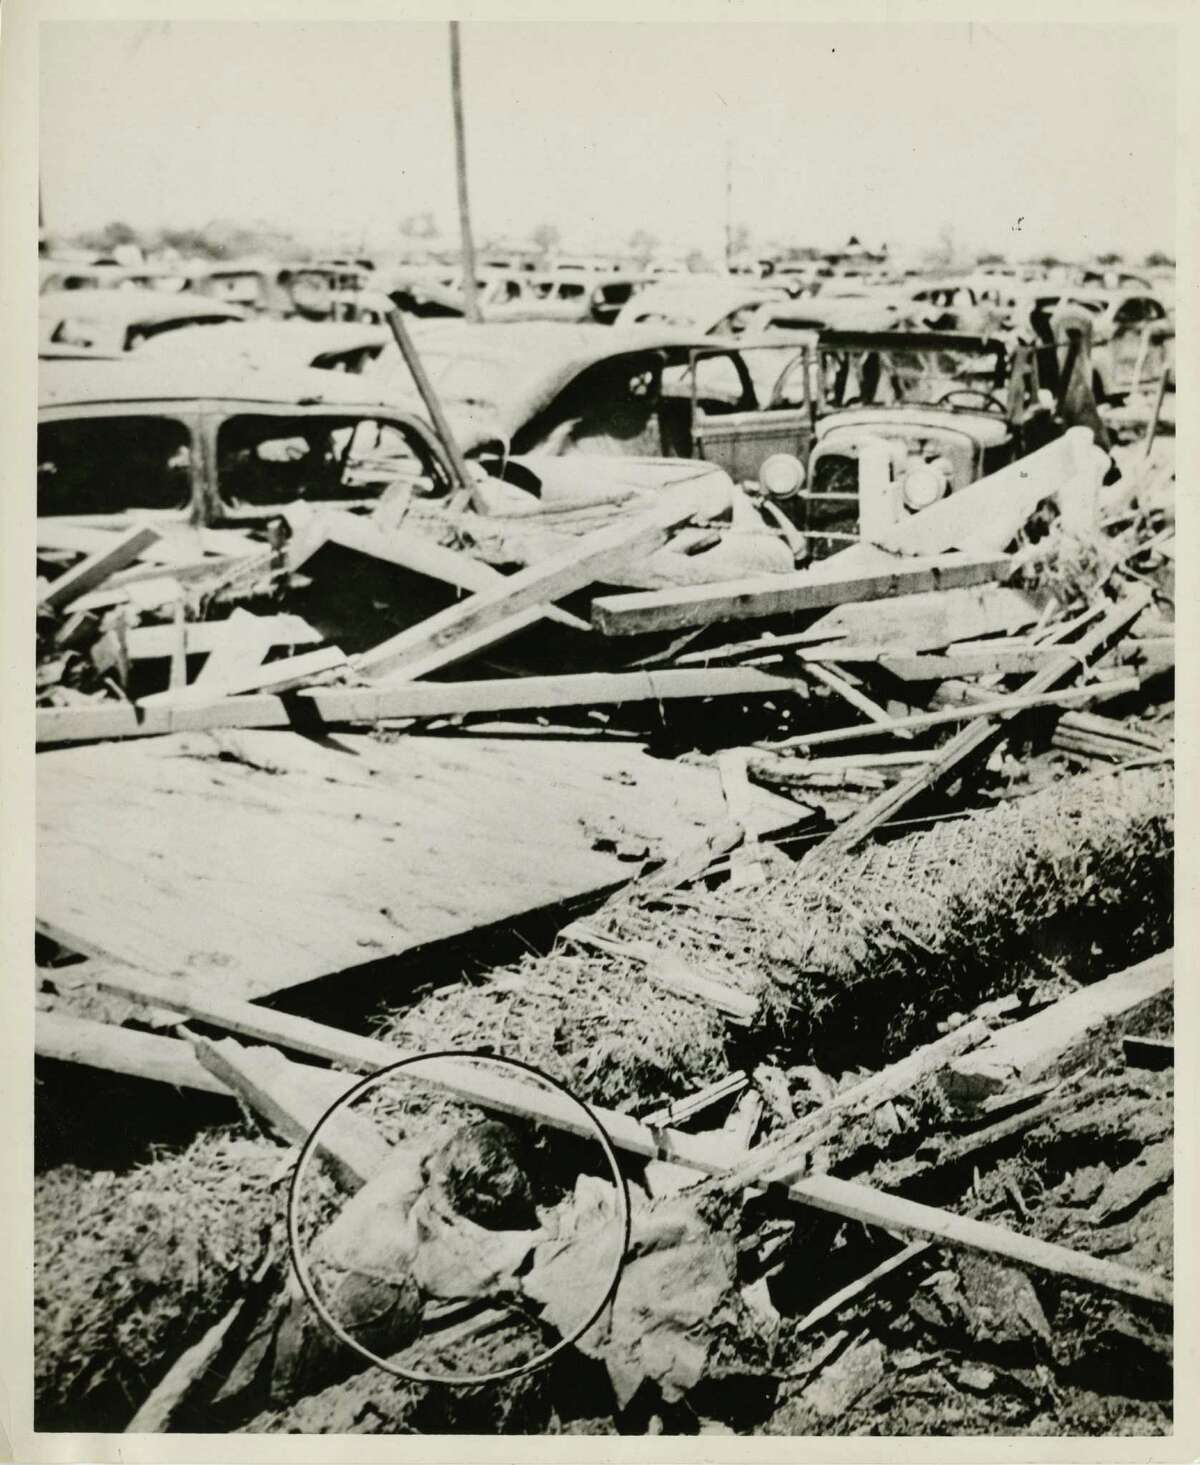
986	428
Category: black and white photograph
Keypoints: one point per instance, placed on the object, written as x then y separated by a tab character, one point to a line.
603	792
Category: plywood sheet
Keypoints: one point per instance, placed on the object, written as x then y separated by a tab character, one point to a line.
264	859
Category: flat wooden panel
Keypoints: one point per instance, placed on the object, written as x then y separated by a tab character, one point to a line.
268	859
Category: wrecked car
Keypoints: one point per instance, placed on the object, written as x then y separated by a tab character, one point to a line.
120	320
190	447
952	408
194	442
604	391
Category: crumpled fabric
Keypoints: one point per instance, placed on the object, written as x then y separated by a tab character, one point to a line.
676	1293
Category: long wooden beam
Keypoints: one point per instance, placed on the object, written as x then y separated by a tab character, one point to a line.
472	1083
573	568
733	600
405	699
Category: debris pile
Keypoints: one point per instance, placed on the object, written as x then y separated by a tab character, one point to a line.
838	895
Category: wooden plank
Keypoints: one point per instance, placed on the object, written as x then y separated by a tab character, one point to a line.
994	707
150	643
853	1290
550	579
848	693
98	567
293	1098
472	1083
194	854
791	1146
858	1202
69	1039
1027	1050
672	610
287	674
162	713
414	552
974	741
909	623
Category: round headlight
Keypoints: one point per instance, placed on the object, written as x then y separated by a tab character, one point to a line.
923	486
781	475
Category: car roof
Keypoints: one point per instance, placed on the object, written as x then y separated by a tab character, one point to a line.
131	304
539	359
706	302
122	381
294	341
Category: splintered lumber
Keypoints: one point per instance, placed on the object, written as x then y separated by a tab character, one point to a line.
714	1093
97	567
992	707
70	1039
975	741
196	1367
573	568
273	678
413	552
191	711
478	1083
732	600
1024	1052
149	643
892	1212
667	970
789	1148
860	1285
293	1097
241	650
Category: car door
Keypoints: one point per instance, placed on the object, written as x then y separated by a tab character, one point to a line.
771	411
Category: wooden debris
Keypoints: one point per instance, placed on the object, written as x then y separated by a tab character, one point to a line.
412	552
670	610
99	567
293	1098
573	568
162	713
472	1083
679	1111
991	708
1023	1052
856	1289
975	741
69	1039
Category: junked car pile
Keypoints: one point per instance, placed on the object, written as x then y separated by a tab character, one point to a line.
740	729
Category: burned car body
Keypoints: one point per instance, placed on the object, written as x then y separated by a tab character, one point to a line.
198	443
598	390
951	407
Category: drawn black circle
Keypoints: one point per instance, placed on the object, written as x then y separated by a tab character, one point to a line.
300	1267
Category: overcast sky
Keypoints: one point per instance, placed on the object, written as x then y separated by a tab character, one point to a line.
1018	138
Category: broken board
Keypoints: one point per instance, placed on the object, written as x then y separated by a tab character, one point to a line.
262	860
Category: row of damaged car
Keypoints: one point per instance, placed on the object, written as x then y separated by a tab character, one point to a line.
587	412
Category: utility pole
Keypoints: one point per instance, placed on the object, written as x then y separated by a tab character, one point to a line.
470	293
728	203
